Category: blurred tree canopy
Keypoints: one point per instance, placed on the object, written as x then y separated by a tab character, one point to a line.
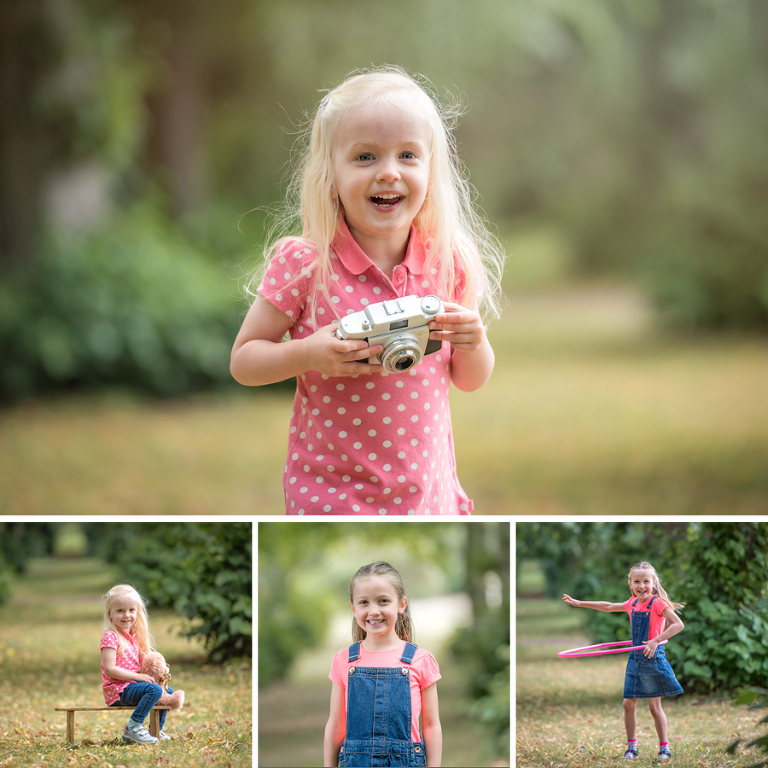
631	131
719	570
20	541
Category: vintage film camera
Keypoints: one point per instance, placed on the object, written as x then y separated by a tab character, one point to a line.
400	325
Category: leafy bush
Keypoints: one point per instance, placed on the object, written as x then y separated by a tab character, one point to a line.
486	648
203	571
703	275
133	305
755	698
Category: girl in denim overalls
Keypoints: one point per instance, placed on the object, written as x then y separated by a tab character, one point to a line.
648	674
382	682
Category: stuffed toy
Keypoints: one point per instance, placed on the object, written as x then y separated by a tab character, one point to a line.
153	664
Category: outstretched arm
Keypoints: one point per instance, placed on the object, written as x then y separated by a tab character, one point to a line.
597	605
472	359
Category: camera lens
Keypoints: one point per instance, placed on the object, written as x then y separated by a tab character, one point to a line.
401	354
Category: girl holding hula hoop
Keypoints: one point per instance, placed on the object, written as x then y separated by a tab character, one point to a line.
648	676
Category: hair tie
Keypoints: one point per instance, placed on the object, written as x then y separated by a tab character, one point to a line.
324	101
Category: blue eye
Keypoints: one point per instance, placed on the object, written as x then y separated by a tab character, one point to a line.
410	156
365	157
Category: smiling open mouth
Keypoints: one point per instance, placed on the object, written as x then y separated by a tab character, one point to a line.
385	201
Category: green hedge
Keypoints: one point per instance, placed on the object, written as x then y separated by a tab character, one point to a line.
134	305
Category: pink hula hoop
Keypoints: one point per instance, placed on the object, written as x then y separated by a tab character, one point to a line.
572	653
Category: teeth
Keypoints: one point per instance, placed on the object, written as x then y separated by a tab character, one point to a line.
386	197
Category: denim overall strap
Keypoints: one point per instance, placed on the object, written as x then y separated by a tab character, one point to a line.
354	652
408	653
641	624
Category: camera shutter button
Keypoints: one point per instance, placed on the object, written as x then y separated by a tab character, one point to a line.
430	305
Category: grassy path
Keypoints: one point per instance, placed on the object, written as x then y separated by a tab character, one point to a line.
49	656
569	711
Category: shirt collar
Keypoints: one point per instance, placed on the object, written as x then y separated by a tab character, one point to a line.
354	259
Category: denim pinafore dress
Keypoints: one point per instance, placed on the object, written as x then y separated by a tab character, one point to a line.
379	715
648	678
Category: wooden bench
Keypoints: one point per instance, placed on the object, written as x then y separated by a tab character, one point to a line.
154	718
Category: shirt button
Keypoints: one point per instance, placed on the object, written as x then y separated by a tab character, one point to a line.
400	278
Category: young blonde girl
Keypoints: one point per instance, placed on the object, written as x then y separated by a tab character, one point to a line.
125	641
385	213
649	675
382	682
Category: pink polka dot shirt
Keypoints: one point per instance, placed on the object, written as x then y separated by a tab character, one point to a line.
128	659
365	445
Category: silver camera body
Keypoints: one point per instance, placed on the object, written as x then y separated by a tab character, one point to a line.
400	325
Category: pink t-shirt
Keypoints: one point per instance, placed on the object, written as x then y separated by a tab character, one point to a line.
379	444
129	658
424	672
657	614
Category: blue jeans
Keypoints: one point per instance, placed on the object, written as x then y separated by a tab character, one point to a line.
143	696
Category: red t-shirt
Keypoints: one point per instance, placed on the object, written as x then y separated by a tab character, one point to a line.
656	611
424	672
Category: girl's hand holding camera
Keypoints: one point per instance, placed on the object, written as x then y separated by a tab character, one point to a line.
473	359
462	328
339	357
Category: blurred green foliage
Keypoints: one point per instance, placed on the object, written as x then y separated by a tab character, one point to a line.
719	570
201	570
20	541
630	133
134	304
485	646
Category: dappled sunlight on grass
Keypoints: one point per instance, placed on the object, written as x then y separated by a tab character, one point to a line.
49	657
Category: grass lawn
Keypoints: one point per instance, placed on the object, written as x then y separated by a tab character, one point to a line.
569	711
49	657
589	411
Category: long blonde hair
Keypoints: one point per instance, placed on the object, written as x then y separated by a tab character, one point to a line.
403	625
140	628
658	589
455	233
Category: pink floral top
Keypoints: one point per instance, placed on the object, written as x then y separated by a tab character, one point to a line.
129	659
365	445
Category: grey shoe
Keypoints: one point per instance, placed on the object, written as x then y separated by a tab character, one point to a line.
164	736
138	735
